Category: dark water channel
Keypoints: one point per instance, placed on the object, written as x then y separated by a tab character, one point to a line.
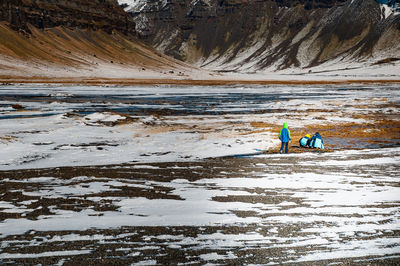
177	101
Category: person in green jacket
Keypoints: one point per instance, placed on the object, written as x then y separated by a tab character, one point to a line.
284	136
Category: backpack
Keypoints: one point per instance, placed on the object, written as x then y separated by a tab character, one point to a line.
303	141
317	142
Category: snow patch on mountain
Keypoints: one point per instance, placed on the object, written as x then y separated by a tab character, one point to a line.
386	11
389	7
132	5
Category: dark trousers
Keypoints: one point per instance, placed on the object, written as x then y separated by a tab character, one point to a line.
286	146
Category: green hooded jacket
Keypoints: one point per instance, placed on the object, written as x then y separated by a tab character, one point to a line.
284	135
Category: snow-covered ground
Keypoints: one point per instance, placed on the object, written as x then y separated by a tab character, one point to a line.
140	175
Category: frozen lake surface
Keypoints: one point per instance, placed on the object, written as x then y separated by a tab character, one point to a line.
75	125
144	175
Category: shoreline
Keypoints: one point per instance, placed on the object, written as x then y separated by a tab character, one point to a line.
197	82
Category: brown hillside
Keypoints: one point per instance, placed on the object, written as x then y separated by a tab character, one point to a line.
59	51
60	38
76	47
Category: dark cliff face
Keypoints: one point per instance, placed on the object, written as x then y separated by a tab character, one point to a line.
93	14
256	35
74	37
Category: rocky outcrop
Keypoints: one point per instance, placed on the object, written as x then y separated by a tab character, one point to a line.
61	38
255	35
106	15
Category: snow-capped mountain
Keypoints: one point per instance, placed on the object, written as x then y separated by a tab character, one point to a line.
256	35
226	35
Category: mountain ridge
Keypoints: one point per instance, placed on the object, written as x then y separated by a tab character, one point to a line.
76	38
269	35
201	39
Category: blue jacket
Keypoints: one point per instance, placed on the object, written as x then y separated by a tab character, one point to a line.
317	141
284	135
304	141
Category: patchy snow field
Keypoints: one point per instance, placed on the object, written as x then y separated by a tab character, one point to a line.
74	126
145	175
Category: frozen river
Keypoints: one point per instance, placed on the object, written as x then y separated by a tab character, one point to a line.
144	175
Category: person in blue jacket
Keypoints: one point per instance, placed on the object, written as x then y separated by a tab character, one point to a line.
284	136
305	141
317	141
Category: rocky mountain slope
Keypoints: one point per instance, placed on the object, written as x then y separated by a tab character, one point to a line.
172	38
257	35
94	14
75	38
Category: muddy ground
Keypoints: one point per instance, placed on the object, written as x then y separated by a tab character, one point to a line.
283	234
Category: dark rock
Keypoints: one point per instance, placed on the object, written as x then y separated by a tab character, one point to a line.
106	15
17	106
